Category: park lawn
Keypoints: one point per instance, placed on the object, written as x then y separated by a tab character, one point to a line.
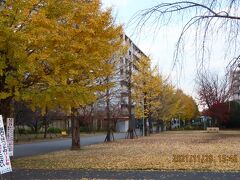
156	152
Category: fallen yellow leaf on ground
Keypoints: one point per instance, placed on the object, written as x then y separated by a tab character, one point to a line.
195	150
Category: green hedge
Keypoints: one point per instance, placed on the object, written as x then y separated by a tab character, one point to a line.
189	127
54	130
25	131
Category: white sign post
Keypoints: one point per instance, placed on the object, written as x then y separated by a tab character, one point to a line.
10	135
5	163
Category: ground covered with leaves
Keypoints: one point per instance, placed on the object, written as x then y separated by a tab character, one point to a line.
185	150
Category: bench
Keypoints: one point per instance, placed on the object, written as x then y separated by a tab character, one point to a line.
213	129
64	133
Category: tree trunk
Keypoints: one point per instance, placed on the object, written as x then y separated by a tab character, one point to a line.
146	129
146	119
7	104
150	124
45	124
6	109
75	131
109	136
45	130
158	127
131	128
109	129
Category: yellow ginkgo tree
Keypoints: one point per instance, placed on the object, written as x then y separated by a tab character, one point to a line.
157	99
186	108
53	52
147	88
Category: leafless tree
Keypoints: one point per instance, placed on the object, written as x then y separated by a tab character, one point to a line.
207	18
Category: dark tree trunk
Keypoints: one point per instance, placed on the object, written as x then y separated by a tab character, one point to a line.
108	136
109	129
131	129
6	105
150	124
158	127
6	109
45	130
146	127
75	131
45	123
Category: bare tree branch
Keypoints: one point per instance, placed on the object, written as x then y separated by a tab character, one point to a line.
206	18
212	90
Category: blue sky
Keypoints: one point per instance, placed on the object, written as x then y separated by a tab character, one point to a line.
160	44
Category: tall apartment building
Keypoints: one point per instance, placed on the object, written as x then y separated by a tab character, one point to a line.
127	68
235	84
120	93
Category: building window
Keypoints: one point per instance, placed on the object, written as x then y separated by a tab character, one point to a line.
130	53
121	71
121	60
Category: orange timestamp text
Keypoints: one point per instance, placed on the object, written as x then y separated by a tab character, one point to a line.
204	158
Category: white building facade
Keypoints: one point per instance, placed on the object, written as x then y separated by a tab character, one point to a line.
127	68
122	79
235	84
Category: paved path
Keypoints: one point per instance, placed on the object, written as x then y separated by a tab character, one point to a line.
21	150
94	174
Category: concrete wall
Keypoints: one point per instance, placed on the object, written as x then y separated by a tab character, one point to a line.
122	126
